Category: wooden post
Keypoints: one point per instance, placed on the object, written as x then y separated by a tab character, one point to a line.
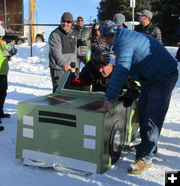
31	33
32	6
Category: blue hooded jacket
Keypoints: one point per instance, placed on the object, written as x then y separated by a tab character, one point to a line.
139	56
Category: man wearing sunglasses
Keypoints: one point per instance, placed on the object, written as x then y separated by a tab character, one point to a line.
62	49
83	34
146	25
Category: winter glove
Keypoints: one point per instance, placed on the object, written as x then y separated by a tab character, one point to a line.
130	96
13	52
81	43
79	82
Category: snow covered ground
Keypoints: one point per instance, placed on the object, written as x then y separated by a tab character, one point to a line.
29	77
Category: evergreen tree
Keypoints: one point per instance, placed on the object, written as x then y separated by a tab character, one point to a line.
107	8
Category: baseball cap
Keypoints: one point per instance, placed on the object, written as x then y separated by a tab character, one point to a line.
67	16
2	31
119	19
105	28
146	13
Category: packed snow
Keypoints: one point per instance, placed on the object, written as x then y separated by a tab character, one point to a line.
29	77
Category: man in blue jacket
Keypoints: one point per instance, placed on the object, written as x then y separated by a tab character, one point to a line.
143	58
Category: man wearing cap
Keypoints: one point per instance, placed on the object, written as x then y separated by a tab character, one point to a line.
62	49
141	57
119	20
83	35
97	72
146	25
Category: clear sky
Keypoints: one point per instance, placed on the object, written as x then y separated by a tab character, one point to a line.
50	11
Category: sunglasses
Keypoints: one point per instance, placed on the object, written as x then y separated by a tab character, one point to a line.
67	21
140	16
80	20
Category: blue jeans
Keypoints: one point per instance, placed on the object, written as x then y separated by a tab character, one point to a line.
153	105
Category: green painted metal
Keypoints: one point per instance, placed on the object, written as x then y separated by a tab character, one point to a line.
66	125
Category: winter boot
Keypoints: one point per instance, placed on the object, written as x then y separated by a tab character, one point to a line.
3	115
139	167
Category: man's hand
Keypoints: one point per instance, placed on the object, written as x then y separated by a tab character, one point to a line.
106	107
67	67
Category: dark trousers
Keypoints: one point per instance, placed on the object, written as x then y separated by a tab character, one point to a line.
3	91
56	75
153	105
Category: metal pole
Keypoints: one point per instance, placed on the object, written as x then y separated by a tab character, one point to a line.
5	15
31	40
132	4
133	16
30	28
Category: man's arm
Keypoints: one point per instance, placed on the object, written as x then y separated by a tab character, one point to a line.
158	35
55	48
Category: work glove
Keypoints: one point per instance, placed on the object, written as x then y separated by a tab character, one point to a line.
13	52
79	82
130	96
81	43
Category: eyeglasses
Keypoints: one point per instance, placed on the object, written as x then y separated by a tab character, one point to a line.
80	20
67	21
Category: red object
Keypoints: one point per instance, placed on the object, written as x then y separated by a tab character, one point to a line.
2	23
79	82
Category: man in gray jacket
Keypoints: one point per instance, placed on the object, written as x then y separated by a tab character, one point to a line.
83	35
62	49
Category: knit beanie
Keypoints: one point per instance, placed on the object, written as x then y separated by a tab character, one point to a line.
104	27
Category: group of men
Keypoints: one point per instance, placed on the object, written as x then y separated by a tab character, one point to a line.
67	45
138	56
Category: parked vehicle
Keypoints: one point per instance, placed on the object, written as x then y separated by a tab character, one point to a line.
12	19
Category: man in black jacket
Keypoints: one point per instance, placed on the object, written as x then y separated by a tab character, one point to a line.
146	25
97	72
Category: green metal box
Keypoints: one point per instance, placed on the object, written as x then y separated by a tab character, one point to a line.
65	130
